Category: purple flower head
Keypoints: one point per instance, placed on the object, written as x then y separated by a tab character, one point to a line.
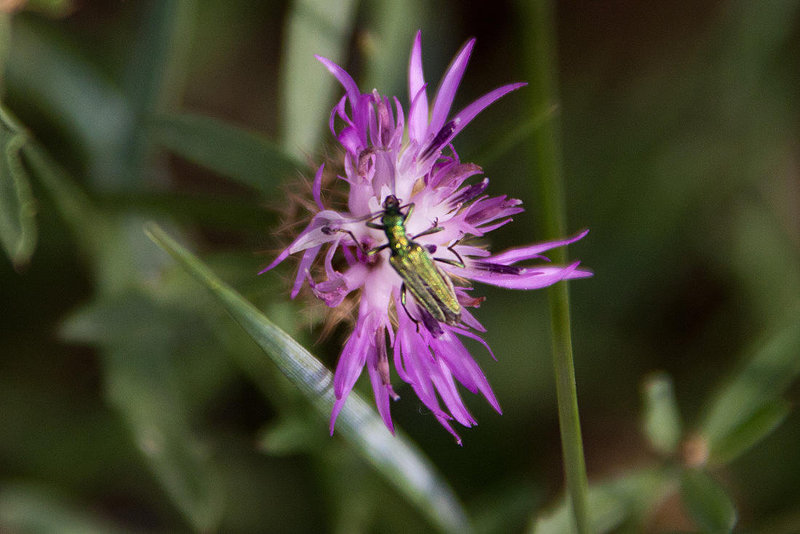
414	299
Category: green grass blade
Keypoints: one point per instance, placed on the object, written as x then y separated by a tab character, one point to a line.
247	157
397	459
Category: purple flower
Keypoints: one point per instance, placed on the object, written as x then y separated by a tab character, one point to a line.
409	157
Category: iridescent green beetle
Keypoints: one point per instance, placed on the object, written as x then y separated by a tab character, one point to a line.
432	289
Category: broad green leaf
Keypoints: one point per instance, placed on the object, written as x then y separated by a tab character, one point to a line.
750	431
17	205
313	27
707	502
661	420
611	503
396	458
247	157
763	377
33	508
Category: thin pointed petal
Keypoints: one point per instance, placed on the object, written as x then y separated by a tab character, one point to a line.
350	86
532	251
447	90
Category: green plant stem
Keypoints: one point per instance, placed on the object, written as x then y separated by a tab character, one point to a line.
540	57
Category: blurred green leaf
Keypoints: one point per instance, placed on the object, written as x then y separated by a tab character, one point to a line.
707	502
48	74
396	458
391	28
247	157
221	212
750	431
763	243
320	27
155	73
764	376
291	434
611	503
5	45
32	508
17	205
76	209
142	382
51	8
661	419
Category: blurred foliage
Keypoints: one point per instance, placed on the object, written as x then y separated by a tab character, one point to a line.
130	402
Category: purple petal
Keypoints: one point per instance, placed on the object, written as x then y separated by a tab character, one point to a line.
352	360
477	338
465	369
332	291
466	115
532	251
443	381
381	392
318	187
314	235
416	79
302	270
529	278
448	87
347	82
418	116
337	407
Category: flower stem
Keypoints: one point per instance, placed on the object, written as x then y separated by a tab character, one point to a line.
540	58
